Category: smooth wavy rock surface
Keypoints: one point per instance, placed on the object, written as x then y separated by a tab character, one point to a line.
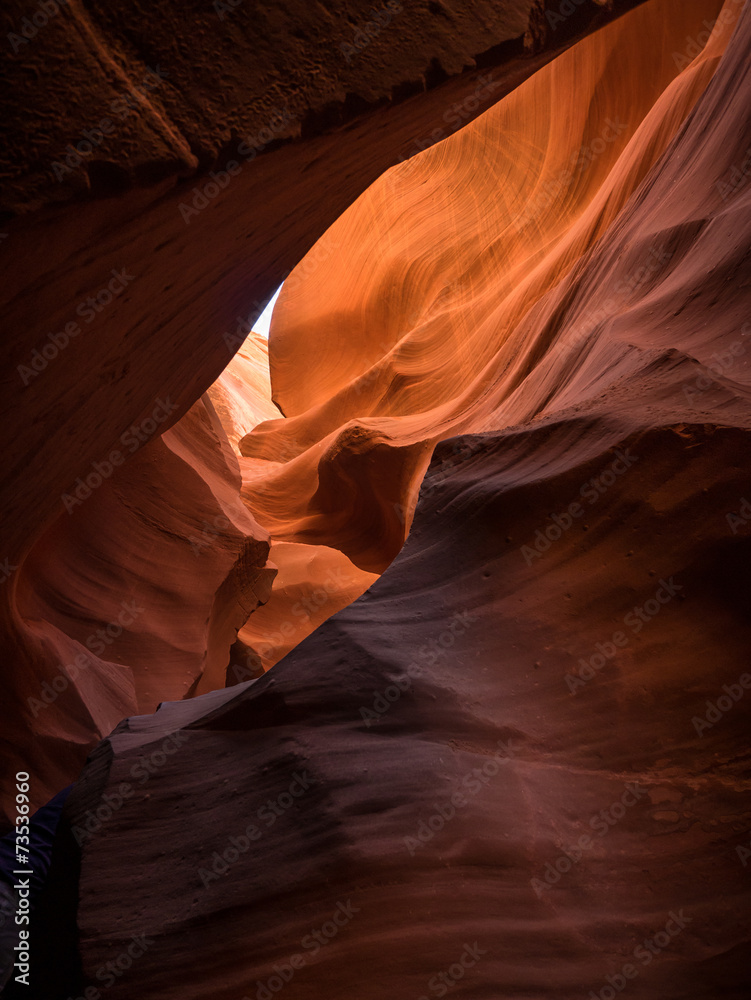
312	582
137	593
133	277
517	766
374	362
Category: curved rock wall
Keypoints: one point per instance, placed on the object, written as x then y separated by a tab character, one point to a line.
516	766
131	279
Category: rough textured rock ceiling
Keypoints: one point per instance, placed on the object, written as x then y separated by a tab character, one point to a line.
517	765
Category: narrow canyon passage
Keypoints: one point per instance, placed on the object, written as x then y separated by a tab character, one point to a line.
410	654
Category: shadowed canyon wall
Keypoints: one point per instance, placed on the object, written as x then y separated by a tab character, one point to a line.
509	406
242	134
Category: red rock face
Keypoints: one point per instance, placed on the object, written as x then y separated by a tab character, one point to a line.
109	310
515	390
134	628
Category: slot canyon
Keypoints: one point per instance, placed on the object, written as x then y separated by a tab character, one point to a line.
402	649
